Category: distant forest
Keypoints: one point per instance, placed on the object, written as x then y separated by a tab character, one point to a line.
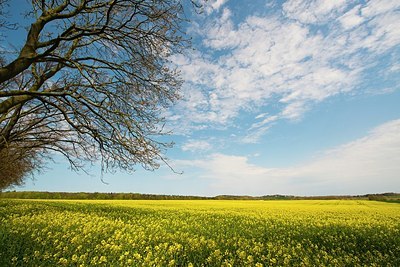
388	197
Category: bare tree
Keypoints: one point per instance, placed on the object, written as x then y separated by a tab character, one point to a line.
91	80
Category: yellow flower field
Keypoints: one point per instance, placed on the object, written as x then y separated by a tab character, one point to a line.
199	233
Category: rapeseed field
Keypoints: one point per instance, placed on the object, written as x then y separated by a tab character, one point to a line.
199	233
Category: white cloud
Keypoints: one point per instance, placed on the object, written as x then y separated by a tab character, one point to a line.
395	67
317	11
259	128
265	121
262	115
378	7
214	5
226	168
246	65
385	32
351	18
254	135
366	165
222	34
196	145
370	163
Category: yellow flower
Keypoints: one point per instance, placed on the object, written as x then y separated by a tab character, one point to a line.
63	261
103	259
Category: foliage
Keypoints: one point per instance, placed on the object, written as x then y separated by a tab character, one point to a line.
199	233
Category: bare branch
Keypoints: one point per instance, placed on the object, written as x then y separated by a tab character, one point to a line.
91	79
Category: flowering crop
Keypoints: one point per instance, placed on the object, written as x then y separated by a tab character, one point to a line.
199	233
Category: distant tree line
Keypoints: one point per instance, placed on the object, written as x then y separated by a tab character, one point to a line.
94	196
387	197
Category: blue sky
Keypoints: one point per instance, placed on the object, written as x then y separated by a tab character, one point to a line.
280	97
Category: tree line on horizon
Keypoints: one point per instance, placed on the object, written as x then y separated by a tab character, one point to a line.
388	197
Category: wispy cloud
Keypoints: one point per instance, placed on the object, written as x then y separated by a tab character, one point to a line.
258	128
214	5
196	145
369	164
283	57
317	11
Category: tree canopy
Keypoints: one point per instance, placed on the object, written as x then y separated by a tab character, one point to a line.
90	82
